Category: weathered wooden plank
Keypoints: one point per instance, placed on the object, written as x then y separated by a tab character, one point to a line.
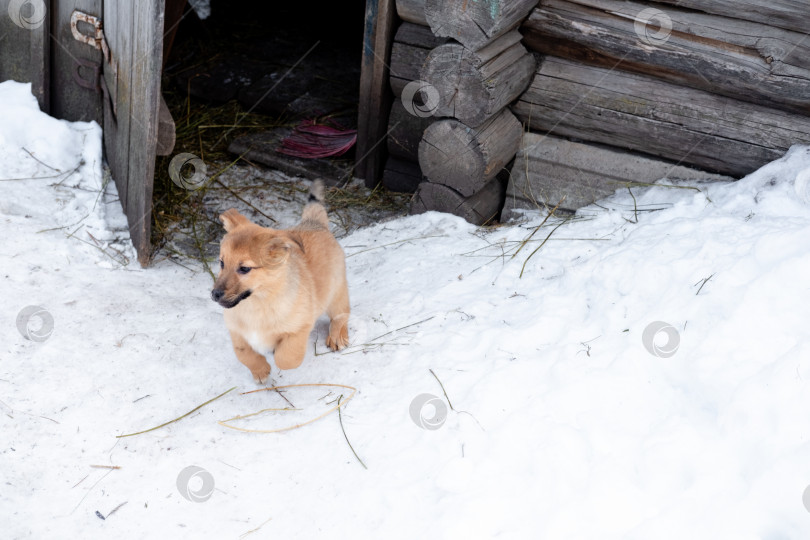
475	86
133	32
412	11
746	60
466	158
375	97
145	72
648	115
69	100
475	24
787	14
405	132
574	174
412	44
118	26
401	175
479	209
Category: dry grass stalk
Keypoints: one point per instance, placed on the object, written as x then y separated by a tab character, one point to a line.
287	428
178	418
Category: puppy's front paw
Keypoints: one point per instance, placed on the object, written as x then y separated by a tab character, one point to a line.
337	340
262	374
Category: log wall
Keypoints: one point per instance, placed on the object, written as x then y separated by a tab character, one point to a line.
719	85
704	88
640	113
750	61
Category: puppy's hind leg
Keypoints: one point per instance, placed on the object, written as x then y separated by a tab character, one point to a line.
338	312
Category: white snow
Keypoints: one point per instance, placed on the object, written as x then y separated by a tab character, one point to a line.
565	426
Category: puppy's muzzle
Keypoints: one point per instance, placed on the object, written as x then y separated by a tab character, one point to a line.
218	296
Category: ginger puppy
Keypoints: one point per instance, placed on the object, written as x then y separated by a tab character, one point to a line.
275	284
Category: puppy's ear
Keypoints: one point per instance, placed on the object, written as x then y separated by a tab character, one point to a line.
276	251
232	219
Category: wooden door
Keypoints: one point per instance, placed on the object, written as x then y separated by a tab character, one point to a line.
72	59
134	35
39	44
24	50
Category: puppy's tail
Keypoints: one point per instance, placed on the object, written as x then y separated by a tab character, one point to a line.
314	212
317	191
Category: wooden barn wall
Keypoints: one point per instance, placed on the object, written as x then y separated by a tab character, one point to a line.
721	86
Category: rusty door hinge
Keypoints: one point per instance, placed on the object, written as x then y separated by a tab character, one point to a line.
97	40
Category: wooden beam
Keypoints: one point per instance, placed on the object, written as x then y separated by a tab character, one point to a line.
549	170
749	61
146	66
647	115
375	96
787	14
134	33
174	14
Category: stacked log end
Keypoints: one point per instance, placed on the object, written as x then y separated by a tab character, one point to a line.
648	87
456	133
475	85
475	24
466	159
484	206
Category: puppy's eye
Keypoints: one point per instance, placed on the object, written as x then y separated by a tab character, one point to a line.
221	264
243	270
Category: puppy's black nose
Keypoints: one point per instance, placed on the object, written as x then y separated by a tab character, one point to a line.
217	294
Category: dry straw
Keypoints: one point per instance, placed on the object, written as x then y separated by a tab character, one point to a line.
340	404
